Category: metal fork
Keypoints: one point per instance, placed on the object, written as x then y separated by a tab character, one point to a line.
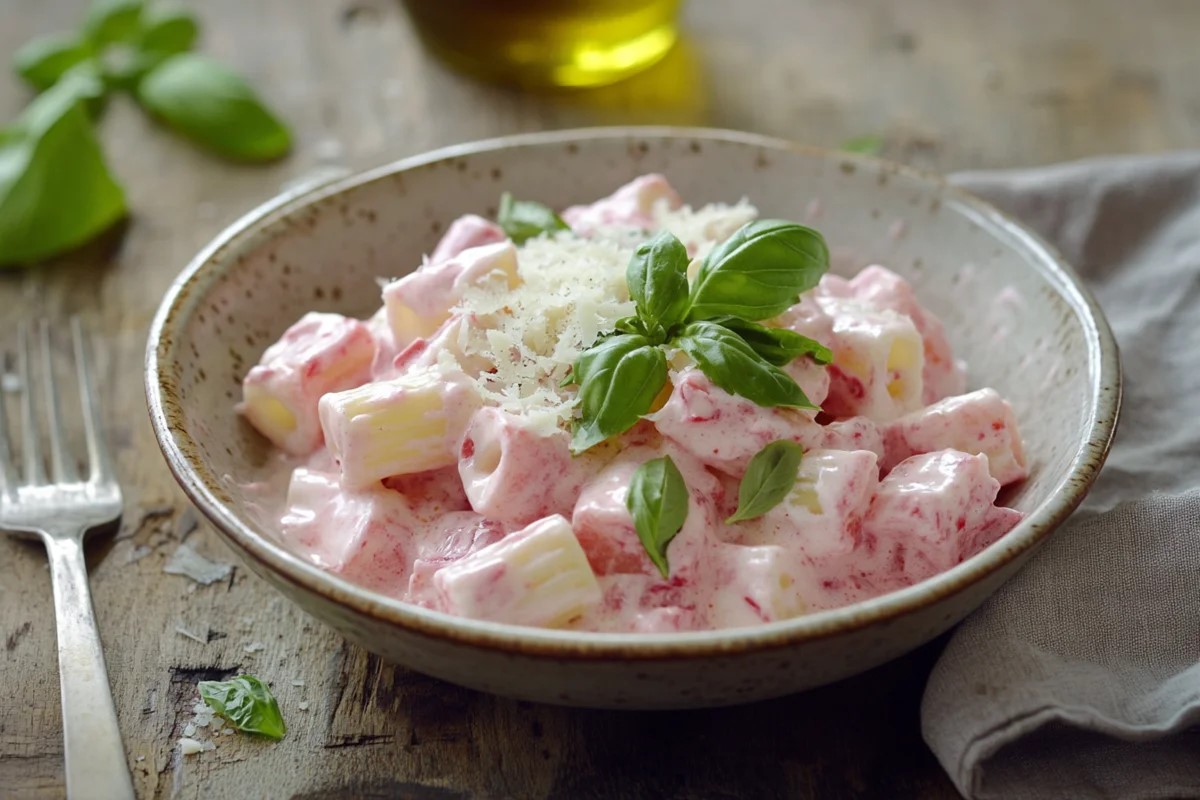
62	511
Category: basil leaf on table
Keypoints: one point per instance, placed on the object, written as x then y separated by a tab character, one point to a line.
732	364
247	704
167	30
110	21
658	501
778	346
214	106
55	189
770	476
618	381
525	219
657	280
759	271
42	61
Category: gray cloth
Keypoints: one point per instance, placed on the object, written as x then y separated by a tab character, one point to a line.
1081	676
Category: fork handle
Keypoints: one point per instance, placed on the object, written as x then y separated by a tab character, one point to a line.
95	759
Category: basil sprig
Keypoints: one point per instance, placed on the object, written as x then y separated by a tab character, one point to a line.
756	274
658	501
770	476
247	704
524	219
55	189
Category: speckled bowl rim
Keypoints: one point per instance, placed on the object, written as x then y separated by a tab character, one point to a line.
180	450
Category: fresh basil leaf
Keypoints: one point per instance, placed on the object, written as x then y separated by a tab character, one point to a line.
123	65
111	21
87	83
618	381
215	107
732	364
167	30
656	333
524	219
55	189
246	703
657	279
658	500
759	271
870	145
42	61
779	346
769	477
631	325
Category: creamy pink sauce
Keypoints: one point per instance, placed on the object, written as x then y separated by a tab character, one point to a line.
898	480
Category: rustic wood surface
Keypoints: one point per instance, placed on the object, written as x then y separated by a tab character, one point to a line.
949	84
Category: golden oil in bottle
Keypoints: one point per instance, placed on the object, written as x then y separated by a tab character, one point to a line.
537	43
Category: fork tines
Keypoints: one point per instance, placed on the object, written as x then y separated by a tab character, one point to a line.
63	467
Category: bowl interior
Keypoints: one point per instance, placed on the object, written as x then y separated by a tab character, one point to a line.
1021	323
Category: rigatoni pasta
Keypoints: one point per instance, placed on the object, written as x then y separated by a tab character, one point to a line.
437	455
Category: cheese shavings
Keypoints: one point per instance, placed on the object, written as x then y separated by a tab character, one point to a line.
572	290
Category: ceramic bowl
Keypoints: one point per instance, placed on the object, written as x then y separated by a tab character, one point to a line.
1018	315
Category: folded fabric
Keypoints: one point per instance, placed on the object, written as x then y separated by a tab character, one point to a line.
1080	678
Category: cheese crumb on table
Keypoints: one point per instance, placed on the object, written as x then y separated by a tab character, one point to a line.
186	561
189	746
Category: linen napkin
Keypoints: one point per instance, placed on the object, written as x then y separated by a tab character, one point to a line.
1080	678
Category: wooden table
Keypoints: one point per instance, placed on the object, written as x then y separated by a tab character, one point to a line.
949	84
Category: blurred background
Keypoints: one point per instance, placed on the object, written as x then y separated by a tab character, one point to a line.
944	83
940	84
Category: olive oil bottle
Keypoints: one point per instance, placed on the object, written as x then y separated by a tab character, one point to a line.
539	43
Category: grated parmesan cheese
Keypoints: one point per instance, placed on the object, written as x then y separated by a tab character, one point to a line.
573	289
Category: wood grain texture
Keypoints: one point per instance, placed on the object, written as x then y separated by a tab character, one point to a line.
949	84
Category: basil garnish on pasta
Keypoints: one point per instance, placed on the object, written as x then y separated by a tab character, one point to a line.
770	477
658	502
524	219
756	274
